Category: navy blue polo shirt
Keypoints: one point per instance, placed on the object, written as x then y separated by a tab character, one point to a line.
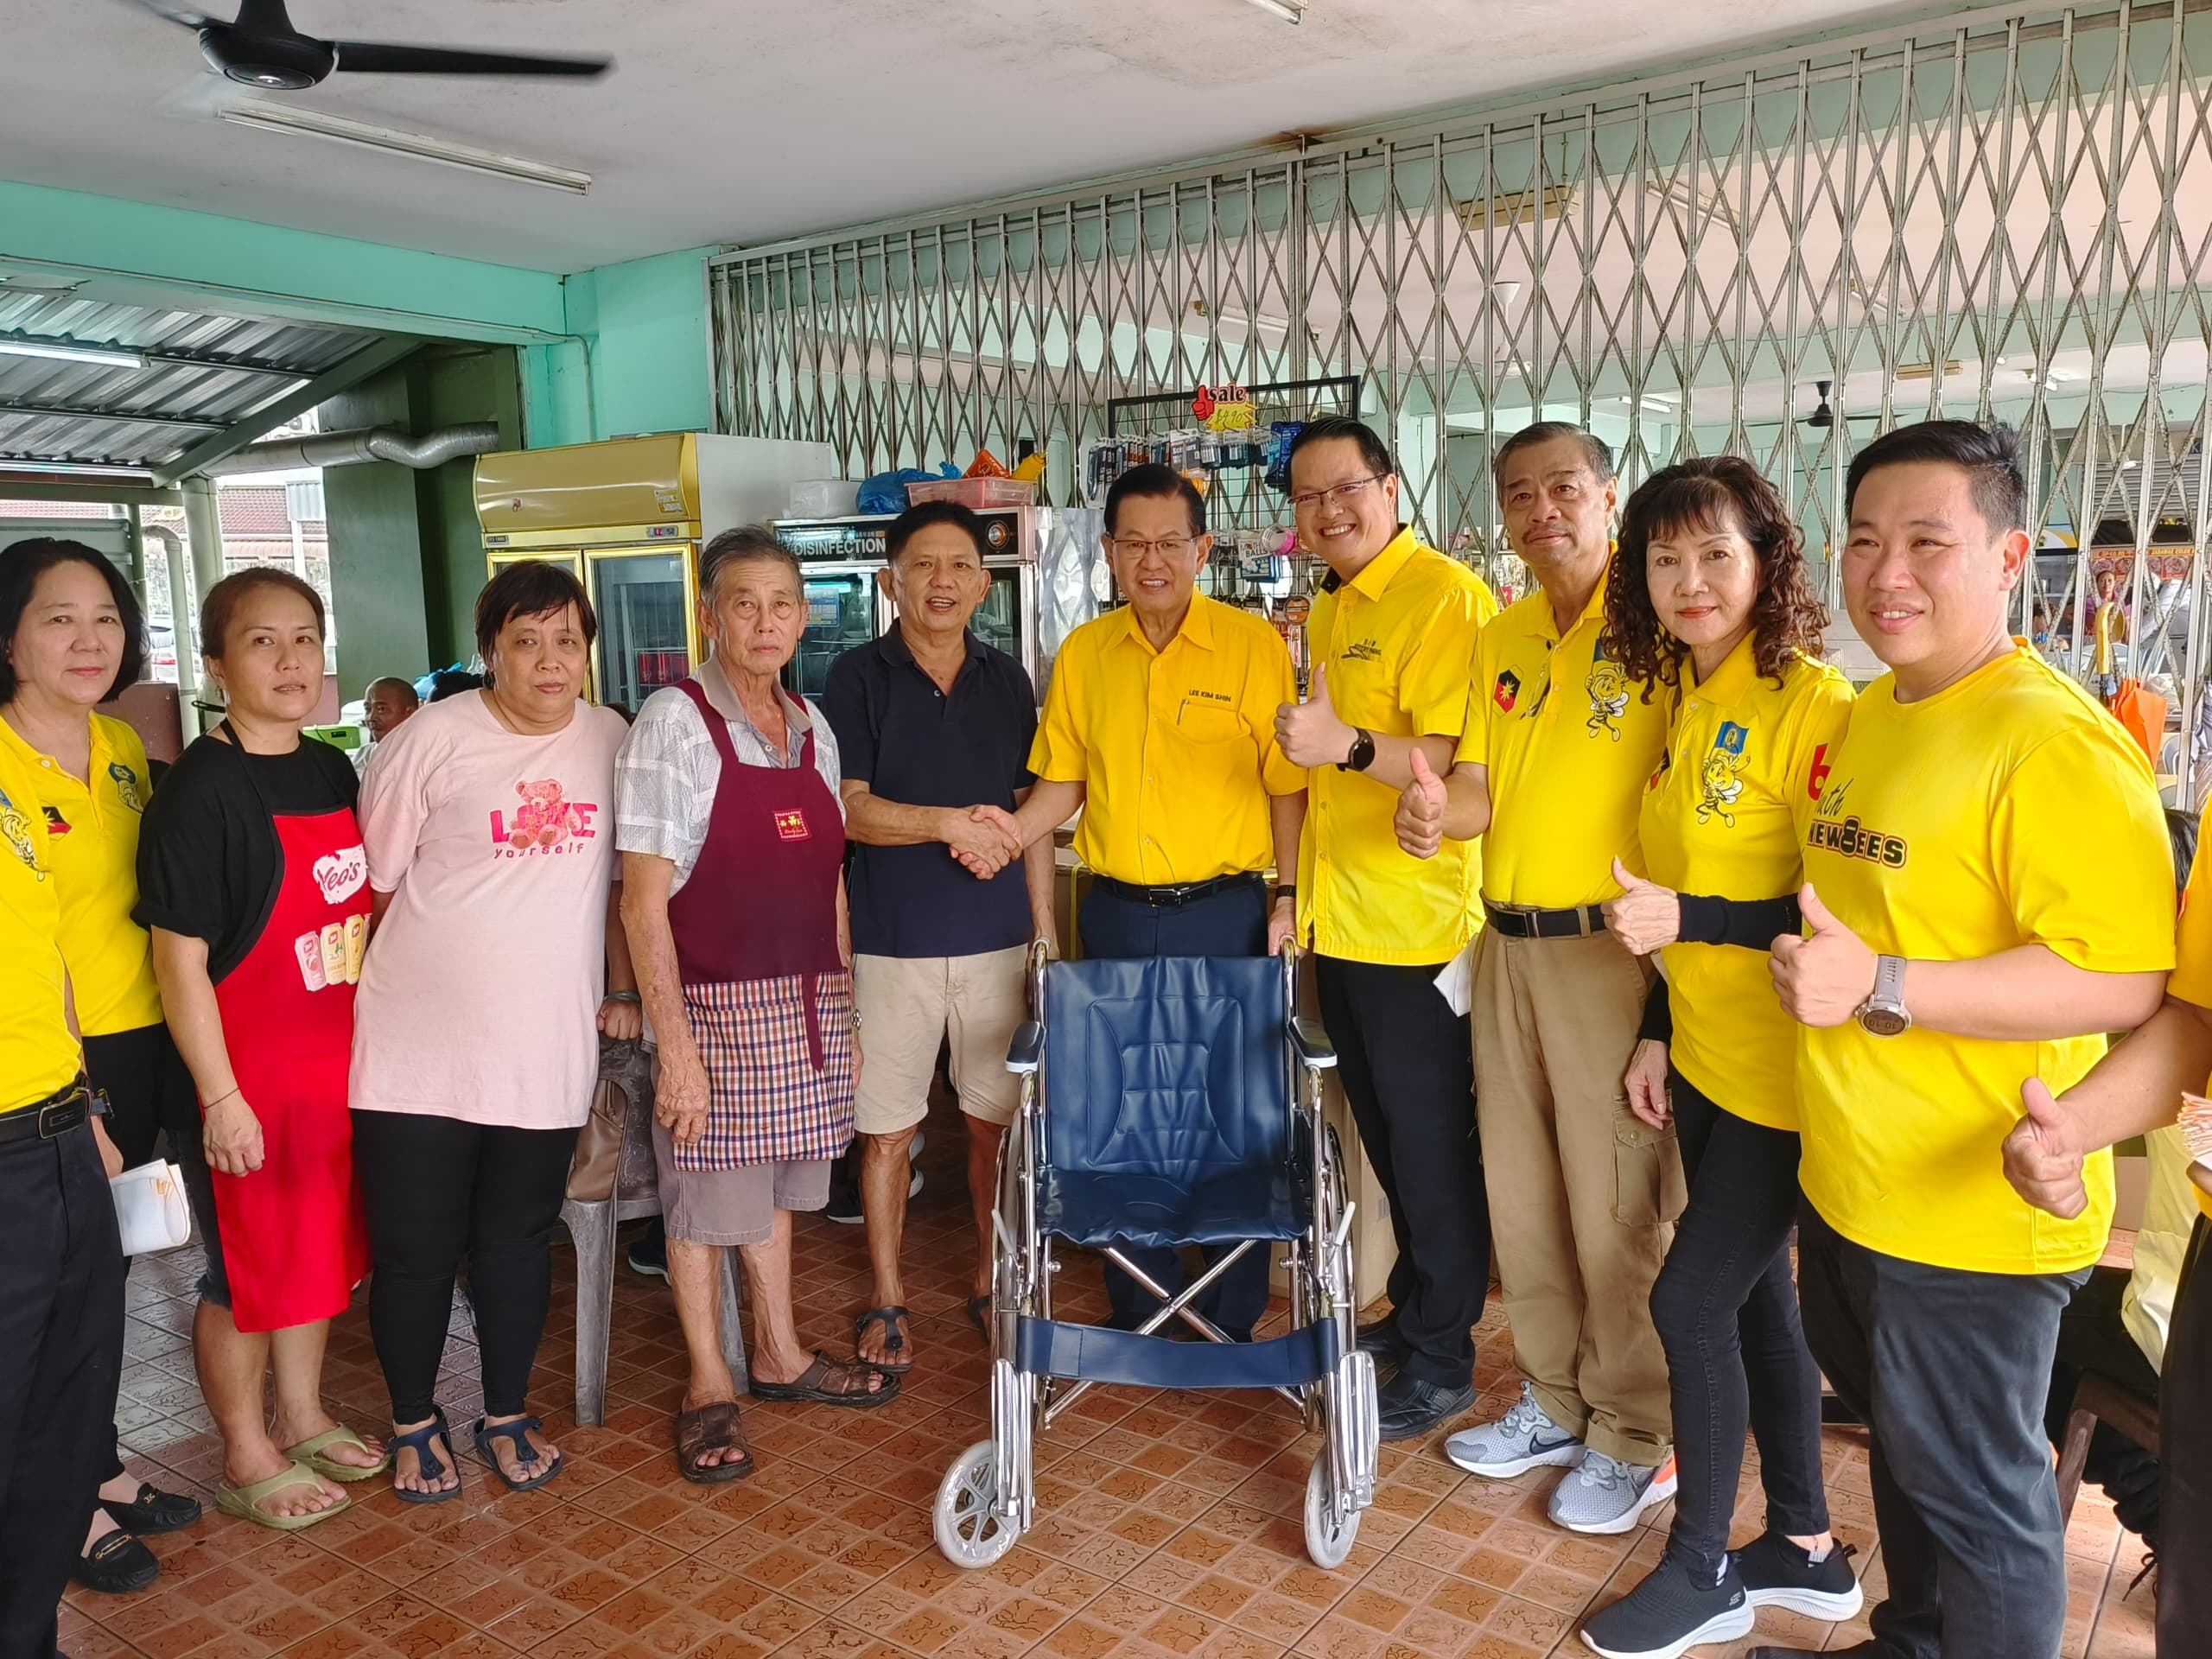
913	744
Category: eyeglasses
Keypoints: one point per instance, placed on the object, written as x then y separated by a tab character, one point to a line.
1170	547
1337	494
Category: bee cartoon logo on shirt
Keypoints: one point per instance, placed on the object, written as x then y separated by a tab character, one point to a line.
16	830
126	787
792	825
1718	785
1608	689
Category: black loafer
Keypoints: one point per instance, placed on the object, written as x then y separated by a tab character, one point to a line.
1381	1340
117	1565
153	1511
1410	1408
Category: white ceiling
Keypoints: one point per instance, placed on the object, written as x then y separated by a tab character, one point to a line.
746	120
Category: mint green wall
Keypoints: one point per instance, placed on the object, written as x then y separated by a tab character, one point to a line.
640	361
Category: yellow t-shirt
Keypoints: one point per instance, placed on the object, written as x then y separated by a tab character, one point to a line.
1399	643
37	1054
92	848
1570	743
2006	810
1175	748
2192	975
1720	818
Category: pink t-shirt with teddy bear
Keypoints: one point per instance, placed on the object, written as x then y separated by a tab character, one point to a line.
480	991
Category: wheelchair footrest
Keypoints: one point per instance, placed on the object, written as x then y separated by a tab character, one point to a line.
1100	1354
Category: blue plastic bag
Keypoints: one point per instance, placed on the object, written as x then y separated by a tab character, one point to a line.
887	491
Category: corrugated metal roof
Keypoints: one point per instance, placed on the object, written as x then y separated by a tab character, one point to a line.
205	370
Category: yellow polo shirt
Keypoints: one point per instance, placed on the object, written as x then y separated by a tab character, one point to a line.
92	848
2192	975
1719	818
2006	810
37	1054
1399	643
1570	743
1175	748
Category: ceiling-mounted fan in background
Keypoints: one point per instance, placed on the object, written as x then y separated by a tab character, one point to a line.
260	47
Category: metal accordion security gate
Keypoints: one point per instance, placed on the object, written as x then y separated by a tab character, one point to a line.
2003	216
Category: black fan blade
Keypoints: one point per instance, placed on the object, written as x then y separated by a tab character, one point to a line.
371	58
180	16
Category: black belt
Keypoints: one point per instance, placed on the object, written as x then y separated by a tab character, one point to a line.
1517	922
59	1113
1170	898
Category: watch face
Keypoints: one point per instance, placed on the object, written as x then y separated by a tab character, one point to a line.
1885	1022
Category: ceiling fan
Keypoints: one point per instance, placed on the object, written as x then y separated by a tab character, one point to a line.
260	47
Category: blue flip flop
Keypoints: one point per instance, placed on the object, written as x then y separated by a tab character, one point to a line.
431	1465
518	1433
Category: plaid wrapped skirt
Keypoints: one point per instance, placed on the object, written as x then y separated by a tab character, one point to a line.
778	1054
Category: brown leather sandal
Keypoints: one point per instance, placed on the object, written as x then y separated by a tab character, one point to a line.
711	1428
831	1383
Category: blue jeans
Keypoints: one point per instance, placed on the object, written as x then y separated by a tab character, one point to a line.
1230	921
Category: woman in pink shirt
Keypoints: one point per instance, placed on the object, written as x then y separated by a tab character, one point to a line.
488	821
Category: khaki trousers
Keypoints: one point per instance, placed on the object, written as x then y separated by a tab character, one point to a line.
1583	1195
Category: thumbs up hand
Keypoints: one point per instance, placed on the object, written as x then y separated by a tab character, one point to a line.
1645	915
1312	733
2044	1154
1822	978
1420	823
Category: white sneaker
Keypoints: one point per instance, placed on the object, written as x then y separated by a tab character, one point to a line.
1522	1439
1605	1494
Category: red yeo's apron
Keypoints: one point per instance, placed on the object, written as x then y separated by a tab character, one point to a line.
295	1239
770	1001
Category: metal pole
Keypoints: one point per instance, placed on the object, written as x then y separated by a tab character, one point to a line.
203	528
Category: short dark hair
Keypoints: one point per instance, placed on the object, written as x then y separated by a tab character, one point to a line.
20	566
1152	481
2181	835
221	607
1988	455
923	514
1373	452
1718	493
408	686
1595	450
530	587
742	545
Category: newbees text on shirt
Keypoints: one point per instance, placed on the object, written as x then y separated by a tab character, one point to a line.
2006	810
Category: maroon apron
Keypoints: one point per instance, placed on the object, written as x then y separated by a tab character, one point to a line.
769	998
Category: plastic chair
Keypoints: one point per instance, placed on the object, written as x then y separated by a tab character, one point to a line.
2099	1398
625	1088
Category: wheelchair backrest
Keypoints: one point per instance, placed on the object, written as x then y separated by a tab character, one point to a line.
1173	1066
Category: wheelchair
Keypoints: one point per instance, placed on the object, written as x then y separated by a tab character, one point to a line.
1167	1101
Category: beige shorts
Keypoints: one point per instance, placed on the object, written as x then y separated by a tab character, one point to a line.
908	1005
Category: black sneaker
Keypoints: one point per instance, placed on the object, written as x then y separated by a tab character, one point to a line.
649	1256
844	1205
1409	1408
1777	1573
1674	1610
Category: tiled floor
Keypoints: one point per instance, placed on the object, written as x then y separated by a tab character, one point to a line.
1168	1523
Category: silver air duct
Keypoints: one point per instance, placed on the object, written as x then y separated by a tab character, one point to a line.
347	448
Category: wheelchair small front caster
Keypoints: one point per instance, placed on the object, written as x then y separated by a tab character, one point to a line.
1328	1534
966	1529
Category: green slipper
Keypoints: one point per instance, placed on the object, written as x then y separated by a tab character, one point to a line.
244	1503
310	1452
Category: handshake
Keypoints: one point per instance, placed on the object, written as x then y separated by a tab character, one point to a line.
985	839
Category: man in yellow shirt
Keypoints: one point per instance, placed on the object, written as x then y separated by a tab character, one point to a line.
1583	1194
1160	725
1958	941
1391	635
60	1261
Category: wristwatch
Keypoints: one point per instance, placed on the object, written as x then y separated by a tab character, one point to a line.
1882	1013
1363	751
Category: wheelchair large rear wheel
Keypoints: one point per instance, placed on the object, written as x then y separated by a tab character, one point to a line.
1329	1534
966	1529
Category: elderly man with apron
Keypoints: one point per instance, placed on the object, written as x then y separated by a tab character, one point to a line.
733	844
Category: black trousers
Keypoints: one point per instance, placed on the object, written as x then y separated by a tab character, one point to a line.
1408	1068
1725	1307
2185	1454
2094	1340
1948	1369
147	1090
437	1189
1230	921
61	1352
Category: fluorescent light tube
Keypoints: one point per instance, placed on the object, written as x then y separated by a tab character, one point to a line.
65	351
1290	11
271	117
76	469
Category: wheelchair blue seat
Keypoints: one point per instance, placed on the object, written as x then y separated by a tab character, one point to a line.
1168	1116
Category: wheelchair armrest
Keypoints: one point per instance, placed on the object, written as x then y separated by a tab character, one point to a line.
1026	1051
1315	1051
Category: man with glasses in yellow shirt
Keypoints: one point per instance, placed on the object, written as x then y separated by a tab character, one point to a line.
1158	723
1392	633
1958	941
